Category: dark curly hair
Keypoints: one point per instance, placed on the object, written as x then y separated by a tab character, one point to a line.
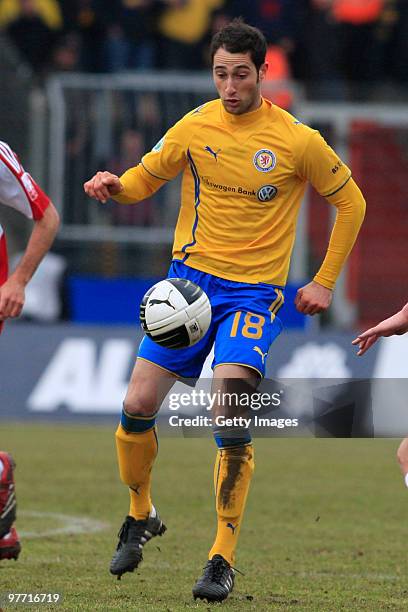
239	37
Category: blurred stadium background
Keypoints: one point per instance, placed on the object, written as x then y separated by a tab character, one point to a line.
92	84
89	85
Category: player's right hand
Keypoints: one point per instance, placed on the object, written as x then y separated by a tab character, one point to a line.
102	186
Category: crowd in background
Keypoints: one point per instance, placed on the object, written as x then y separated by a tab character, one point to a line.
324	42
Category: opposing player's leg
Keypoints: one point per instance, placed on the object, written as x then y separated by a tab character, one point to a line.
402	456
7	493
10	546
9	542
136	444
233	471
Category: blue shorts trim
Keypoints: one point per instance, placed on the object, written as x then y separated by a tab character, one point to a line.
244	325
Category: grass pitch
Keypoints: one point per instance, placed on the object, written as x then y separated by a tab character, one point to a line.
325	527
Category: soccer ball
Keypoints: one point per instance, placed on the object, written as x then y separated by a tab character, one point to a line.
175	313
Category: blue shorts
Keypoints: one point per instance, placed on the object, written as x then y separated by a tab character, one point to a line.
243	326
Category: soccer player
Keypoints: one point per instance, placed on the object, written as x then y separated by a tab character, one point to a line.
395	325
19	191
245	165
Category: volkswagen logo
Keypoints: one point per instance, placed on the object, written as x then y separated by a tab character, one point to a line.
266	193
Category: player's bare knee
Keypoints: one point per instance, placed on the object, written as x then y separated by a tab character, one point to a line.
148	387
141	400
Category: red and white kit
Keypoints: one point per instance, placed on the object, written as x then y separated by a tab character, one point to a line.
19	191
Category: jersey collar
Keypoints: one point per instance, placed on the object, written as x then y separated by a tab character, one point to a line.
246	118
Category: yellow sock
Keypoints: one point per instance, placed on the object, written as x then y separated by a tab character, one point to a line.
232	476
136	455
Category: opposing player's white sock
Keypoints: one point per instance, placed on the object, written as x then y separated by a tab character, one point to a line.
406	479
1	467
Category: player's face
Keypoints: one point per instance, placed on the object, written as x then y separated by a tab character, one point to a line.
237	81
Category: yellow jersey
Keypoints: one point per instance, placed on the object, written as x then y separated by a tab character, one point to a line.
244	178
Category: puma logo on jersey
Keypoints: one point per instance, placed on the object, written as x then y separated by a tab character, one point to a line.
213	153
263	355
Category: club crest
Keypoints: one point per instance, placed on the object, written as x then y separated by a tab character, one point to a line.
264	160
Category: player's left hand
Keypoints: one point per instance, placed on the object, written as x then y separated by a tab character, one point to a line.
11	299
313	298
